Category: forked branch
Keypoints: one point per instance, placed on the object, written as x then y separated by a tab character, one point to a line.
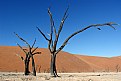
52	21
60	28
63	20
34	49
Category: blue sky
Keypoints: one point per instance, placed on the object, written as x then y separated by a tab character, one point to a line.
22	17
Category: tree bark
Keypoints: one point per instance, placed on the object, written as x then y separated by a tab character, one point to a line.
27	66
33	66
53	70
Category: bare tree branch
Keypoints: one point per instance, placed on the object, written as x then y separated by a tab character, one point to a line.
22	49
22	40
36	53
52	21
75	33
34	50
20	57
49	45
33	43
110	24
63	20
60	28
42	34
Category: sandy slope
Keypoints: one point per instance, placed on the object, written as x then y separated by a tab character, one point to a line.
66	62
101	63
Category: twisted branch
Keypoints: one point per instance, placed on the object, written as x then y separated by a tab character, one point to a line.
75	33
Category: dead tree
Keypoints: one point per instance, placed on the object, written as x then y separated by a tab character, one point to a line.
30	52
54	37
117	68
38	68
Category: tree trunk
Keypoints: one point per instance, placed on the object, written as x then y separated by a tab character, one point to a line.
27	67
33	66
53	70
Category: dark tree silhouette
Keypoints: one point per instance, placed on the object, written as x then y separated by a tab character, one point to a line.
30	52
54	37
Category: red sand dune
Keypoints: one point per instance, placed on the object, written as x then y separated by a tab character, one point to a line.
66	62
104	64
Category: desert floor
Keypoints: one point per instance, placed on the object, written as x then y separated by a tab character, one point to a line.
111	76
